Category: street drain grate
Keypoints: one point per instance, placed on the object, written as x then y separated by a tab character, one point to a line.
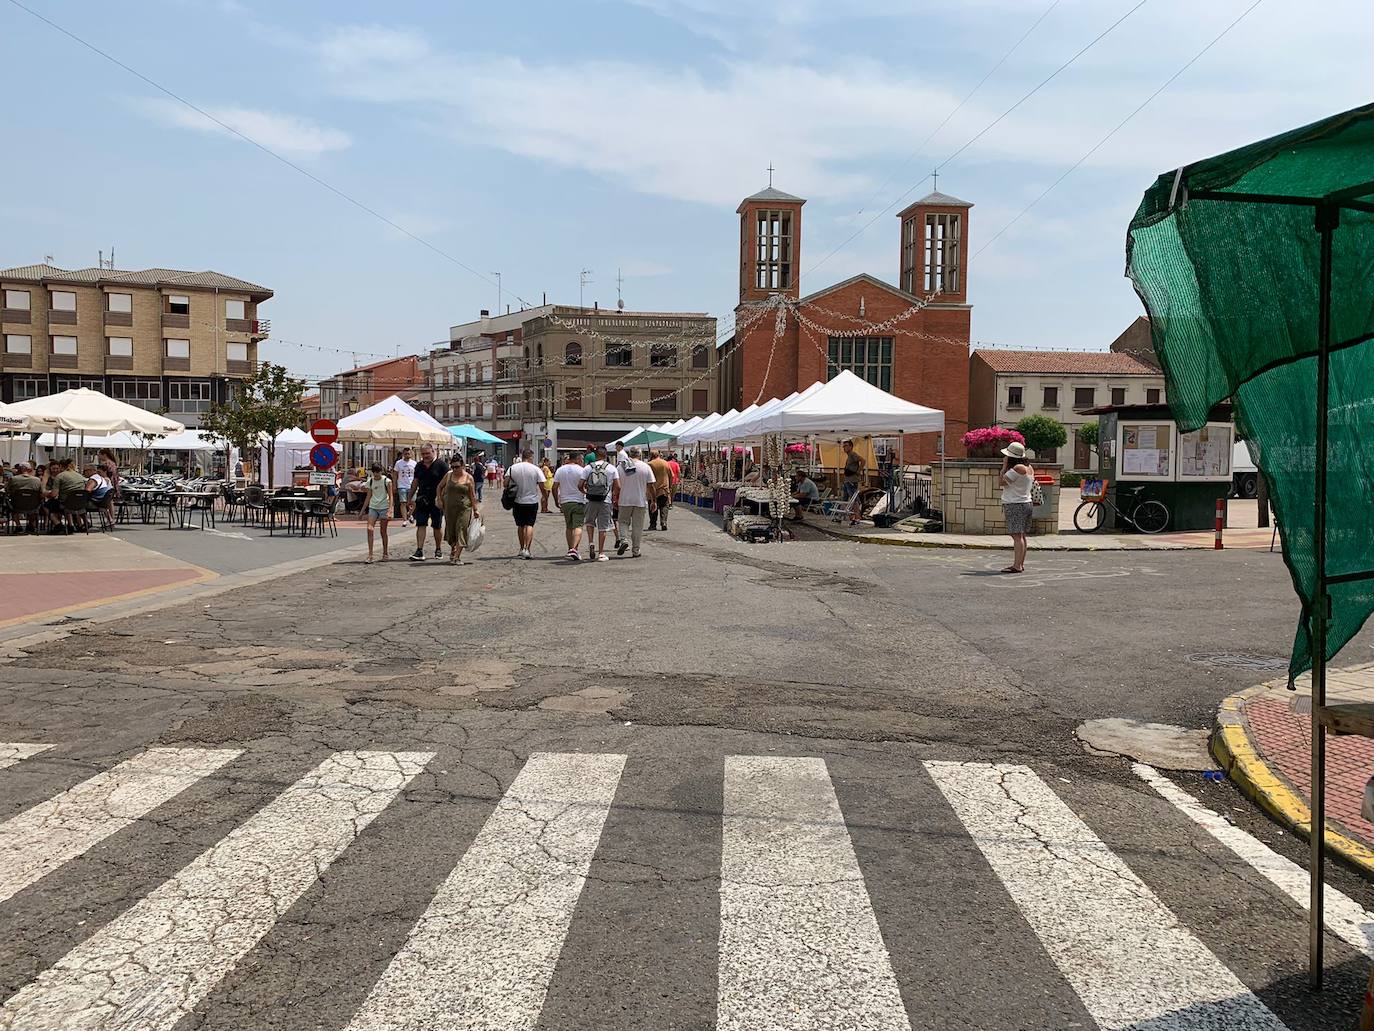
1257	663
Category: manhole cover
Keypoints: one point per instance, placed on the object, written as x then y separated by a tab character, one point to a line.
1257	663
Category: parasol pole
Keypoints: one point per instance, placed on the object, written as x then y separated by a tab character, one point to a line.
1328	218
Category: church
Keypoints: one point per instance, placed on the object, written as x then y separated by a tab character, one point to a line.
911	339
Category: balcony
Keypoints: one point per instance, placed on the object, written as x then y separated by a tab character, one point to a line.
15	361
119	318
238	325
61	318
175	364
261	329
233	367
173	321
61	361
16	315
119	363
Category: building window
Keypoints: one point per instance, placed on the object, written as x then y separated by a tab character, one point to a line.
572	353
78	383
1152	395
700	400
188	395
120	347
663	400
178	304
911	250
701	358
63	300
1051	397
144	393
619	356
1014	397
662	356
773	250
64	345
17	300
1118	395
178	348
618	400
119	302
237	352
868	358
942	253
18	345
572	399
234	310
27	388
1084	397
1049	455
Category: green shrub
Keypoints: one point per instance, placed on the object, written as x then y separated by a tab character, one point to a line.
1087	434
1042	433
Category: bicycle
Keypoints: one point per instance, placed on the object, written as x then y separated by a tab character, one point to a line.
1146	514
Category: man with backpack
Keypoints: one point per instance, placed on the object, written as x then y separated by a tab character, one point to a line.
598	481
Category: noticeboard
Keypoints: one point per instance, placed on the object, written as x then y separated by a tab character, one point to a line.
1205	454
1145	451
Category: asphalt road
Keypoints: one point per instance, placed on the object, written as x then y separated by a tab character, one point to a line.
814	785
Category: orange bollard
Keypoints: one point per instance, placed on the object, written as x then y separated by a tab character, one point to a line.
1221	517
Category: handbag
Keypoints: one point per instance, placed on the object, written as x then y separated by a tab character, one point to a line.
508	495
1037	494
477	533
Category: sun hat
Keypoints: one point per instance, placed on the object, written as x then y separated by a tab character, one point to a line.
1015	450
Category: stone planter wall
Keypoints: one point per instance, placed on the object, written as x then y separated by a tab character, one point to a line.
972	498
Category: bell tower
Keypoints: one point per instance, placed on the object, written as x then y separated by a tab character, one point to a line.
769	244
935	248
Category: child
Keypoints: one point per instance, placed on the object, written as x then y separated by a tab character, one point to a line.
380	497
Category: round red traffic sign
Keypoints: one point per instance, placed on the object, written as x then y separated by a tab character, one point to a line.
322	456
324	431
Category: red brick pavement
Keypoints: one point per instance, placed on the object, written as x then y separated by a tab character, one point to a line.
25	596
1283	739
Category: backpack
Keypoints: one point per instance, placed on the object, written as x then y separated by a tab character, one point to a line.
598	483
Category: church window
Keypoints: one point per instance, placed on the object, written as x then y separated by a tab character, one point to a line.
942	253
773	250
869	358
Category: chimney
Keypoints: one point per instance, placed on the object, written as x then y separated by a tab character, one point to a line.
484	313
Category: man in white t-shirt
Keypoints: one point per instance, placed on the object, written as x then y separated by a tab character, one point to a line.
598	486
528	479
634	496
405	477
569	498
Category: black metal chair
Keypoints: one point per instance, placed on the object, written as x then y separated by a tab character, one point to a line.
233	503
321	514
255	508
77	507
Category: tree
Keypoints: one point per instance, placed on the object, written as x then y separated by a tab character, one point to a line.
266	404
1087	435
1042	433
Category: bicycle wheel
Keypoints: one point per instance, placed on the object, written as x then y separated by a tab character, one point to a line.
1088	516
1150	516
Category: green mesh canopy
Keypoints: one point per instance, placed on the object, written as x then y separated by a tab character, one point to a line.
1226	256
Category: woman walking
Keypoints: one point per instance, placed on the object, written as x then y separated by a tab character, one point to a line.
548	484
1018	477
457	498
381	494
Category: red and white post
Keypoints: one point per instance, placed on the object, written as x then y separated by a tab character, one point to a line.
1221	518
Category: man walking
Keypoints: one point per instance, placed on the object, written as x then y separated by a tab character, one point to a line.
633	494
598	482
428	474
479	474
528	480
662	491
569	499
404	470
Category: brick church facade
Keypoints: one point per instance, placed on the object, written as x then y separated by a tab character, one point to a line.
923	357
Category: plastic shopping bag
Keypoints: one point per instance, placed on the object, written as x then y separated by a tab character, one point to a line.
477	533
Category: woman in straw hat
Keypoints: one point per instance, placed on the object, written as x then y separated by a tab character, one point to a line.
1018	477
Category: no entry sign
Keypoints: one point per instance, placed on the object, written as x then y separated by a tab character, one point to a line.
324	431
322	456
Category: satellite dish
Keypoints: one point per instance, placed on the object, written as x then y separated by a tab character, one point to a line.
620	305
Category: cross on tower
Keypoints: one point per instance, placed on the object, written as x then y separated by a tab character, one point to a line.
770	173
935	177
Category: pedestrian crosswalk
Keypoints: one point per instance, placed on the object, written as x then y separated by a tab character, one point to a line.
799	943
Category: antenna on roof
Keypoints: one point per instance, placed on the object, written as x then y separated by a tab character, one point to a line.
619	282
47	259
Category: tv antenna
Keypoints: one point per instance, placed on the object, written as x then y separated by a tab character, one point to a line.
583	278
619	282
498	292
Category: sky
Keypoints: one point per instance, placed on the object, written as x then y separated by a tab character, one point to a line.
539	139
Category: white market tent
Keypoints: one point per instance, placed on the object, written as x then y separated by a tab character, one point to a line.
290	449
626	436
391	404
722	429
396	427
186	440
849	406
745	428
702	430
84	411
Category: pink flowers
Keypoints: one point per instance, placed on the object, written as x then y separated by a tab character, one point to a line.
991	437
798	449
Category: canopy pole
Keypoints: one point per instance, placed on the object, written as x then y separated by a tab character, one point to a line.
1328	218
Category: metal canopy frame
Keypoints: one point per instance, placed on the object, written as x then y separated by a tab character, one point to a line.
1327	211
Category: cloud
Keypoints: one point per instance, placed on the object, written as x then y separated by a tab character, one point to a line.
286	134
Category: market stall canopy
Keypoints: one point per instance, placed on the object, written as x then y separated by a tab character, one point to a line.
646	438
395	427
12	421
187	440
849	406
724	430
702	431
390	404
1243	261
744	429
89	411
470	432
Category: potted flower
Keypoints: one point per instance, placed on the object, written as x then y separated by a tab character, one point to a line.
988	441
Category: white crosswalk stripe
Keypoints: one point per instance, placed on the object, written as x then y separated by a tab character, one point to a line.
41	839
1118	946
481	956
13	752
152	965
800	947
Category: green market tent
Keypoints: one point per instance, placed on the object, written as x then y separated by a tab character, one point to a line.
647	438
1257	270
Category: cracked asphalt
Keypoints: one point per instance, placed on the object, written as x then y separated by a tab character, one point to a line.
366	841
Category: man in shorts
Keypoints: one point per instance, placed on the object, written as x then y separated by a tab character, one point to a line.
569	499
598	485
528	479
662	490
404	477
428	474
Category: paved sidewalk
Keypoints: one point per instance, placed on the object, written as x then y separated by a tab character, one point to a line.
1263	740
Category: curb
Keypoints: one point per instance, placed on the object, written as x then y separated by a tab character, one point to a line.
933	541
1266	787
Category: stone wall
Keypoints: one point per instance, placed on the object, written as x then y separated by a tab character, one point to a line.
971	499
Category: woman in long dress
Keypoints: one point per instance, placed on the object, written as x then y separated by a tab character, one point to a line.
457	500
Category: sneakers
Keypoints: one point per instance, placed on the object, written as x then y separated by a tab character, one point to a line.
591	554
419	556
603	557
524	553
573	556
621	547
438	552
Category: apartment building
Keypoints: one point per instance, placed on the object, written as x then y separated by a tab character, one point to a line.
161	339
1005	386
354	389
593	374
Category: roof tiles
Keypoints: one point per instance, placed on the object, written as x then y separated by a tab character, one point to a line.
1083	363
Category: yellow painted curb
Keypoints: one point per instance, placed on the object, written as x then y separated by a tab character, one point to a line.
1237	755
203	575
